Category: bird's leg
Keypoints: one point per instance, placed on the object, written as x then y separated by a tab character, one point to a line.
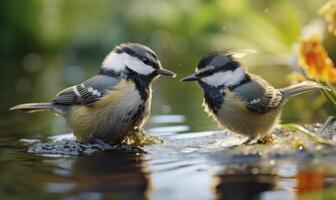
249	140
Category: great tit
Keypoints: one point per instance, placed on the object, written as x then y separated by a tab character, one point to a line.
240	101
115	101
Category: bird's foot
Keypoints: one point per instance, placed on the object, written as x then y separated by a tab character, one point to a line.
268	139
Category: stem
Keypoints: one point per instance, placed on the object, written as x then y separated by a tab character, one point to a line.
333	89
315	138
330	95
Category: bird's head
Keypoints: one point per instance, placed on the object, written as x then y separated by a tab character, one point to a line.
134	60
218	69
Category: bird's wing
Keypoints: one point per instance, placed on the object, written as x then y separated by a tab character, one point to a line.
87	92
259	96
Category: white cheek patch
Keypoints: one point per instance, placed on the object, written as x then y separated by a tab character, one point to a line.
217	79
115	61
138	66
227	78
118	62
237	76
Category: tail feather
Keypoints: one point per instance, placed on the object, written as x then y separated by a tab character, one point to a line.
33	107
300	88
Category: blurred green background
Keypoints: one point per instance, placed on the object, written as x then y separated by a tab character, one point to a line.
47	45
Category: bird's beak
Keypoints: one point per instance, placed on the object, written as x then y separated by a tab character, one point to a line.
165	72
192	77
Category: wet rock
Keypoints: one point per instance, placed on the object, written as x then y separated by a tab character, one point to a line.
290	141
328	130
66	145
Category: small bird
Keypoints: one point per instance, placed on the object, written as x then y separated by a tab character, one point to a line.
240	101
115	101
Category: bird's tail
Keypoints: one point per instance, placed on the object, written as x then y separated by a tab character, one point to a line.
305	86
33	107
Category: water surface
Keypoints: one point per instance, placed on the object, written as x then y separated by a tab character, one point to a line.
195	165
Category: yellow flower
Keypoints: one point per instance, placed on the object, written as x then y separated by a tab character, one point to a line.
314	59
328	10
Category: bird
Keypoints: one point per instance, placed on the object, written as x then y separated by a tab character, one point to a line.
112	103
240	101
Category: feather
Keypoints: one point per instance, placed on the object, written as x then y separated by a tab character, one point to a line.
300	88
87	92
259	96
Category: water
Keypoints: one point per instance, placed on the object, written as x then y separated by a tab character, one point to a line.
199	165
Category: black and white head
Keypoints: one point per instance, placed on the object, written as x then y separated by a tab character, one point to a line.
219	69
133	60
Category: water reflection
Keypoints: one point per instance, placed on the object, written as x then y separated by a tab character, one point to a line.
316	182
245	181
113	175
109	176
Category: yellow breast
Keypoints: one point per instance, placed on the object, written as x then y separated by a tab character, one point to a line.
106	117
235	116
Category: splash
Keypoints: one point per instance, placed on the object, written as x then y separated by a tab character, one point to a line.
140	138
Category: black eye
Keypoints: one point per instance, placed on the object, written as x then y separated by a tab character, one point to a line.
146	61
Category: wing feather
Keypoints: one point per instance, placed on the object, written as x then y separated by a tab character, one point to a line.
259	96
86	93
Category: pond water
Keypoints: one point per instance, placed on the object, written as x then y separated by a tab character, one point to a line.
198	165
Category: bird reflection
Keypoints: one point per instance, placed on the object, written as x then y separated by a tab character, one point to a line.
112	175
245	181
